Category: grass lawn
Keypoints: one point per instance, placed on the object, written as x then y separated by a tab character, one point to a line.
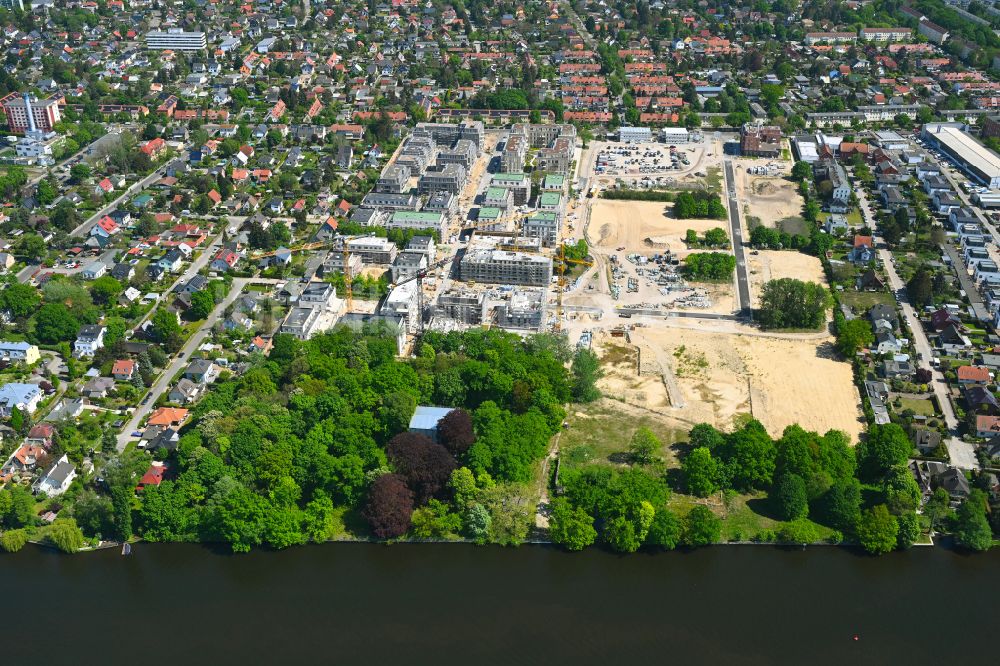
862	301
599	433
713	179
745	518
348	524
794	225
854	218
920	407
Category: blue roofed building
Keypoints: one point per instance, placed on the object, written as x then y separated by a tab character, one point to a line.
425	420
24	397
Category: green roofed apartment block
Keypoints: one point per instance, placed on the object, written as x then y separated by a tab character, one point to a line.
549	201
408	219
500	197
518	183
542	225
553	183
490	218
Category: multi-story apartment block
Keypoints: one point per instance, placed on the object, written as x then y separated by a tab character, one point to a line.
503	267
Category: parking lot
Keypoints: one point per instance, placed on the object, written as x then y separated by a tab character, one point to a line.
630	159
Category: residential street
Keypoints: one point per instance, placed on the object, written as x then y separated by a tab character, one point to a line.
84	228
962	454
162	383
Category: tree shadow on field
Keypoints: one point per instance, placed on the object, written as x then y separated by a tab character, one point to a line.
675	478
827	350
620	458
763	506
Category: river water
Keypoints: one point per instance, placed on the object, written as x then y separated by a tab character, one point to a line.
459	604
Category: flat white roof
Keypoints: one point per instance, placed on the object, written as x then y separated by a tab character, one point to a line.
976	155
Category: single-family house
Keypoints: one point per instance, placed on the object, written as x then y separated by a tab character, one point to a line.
168	416
926	440
973	375
225	260
123	369
93	270
18	352
953	339
23	397
863	251
886	342
172	261
98	387
57	479
89	339
202	371
954	482
41	434
987	426
153	476
981	400
185	391
943	318
25	459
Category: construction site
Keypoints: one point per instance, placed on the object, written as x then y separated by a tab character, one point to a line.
686	352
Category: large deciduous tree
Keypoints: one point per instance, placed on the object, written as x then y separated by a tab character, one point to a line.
572	528
455	431
877	530
790	498
972	529
426	466
790	303
701	527
54	323
701	472
389	506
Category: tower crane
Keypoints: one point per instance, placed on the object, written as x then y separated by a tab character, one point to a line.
563	261
419	276
332	242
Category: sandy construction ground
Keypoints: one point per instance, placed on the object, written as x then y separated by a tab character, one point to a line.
628	224
769	198
780	381
621	379
776	264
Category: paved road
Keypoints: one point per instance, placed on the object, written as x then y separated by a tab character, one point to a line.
84	229
571	14
742	278
962	454
162	383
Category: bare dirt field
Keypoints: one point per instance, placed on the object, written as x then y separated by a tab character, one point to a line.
621	378
629	224
778	381
769	198
776	264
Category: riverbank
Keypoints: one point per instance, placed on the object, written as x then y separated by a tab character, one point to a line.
488	605
114	545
